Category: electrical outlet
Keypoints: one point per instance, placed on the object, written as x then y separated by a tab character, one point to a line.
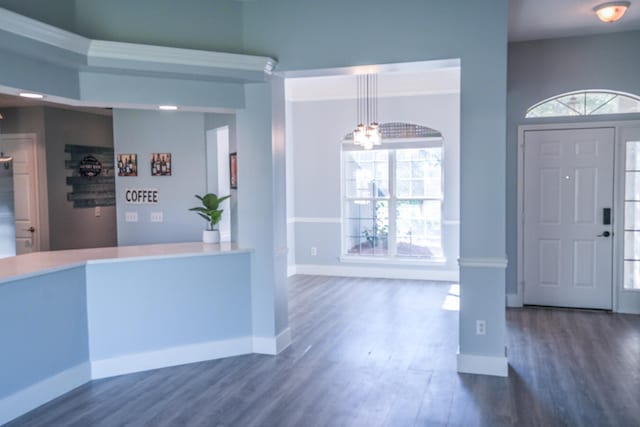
314	251
157	217
131	216
481	327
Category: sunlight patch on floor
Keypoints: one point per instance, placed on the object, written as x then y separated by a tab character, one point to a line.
452	300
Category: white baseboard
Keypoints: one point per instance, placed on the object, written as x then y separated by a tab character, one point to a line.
170	357
514	301
483	365
292	270
283	340
38	394
378	273
272	345
29	398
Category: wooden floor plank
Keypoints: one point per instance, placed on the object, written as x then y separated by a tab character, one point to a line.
381	352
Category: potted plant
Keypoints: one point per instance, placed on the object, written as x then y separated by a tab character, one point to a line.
209	212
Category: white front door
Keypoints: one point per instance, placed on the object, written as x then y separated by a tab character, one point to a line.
568	247
22	149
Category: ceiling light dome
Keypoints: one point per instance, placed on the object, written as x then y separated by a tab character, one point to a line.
612	11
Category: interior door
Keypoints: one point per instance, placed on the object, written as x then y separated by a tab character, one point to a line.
568	245
22	149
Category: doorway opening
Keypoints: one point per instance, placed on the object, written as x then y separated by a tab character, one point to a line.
321	107
63	174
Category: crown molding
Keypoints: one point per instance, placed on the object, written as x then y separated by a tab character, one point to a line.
138	57
103	51
22	26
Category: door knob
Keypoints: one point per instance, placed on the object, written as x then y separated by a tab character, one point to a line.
31	229
604	234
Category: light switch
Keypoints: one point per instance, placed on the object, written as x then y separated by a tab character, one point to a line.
157	217
98	211
131	216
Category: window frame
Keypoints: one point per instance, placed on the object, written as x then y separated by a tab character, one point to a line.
392	257
625	172
585	93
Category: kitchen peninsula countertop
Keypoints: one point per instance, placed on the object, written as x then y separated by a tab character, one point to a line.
37	263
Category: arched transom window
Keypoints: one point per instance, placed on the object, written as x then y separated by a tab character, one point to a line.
586	103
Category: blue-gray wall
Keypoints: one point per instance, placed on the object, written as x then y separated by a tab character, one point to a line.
313	35
256	203
316	146
165	303
182	135
541	69
296	34
60	13
196	24
44	328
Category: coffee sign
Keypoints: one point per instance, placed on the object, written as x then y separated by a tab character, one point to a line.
141	196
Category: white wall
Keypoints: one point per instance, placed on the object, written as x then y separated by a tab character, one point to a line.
316	129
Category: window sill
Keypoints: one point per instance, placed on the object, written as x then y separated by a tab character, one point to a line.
438	262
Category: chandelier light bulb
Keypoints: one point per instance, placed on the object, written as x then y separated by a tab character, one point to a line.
367	133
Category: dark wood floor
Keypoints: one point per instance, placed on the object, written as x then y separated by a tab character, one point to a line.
382	353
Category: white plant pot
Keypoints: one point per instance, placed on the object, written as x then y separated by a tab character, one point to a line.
211	236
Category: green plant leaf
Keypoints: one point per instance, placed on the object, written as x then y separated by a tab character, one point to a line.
210	201
210	211
199	209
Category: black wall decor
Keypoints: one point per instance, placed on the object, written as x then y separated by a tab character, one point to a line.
92	179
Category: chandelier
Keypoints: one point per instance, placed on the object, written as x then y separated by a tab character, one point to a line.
367	133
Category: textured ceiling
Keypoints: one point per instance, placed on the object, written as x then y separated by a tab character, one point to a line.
544	19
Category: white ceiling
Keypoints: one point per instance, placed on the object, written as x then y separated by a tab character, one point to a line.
543	19
433	81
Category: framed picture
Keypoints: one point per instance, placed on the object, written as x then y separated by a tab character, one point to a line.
161	164
233	171
128	164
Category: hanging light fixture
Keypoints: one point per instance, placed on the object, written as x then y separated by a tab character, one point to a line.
611	11
367	132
